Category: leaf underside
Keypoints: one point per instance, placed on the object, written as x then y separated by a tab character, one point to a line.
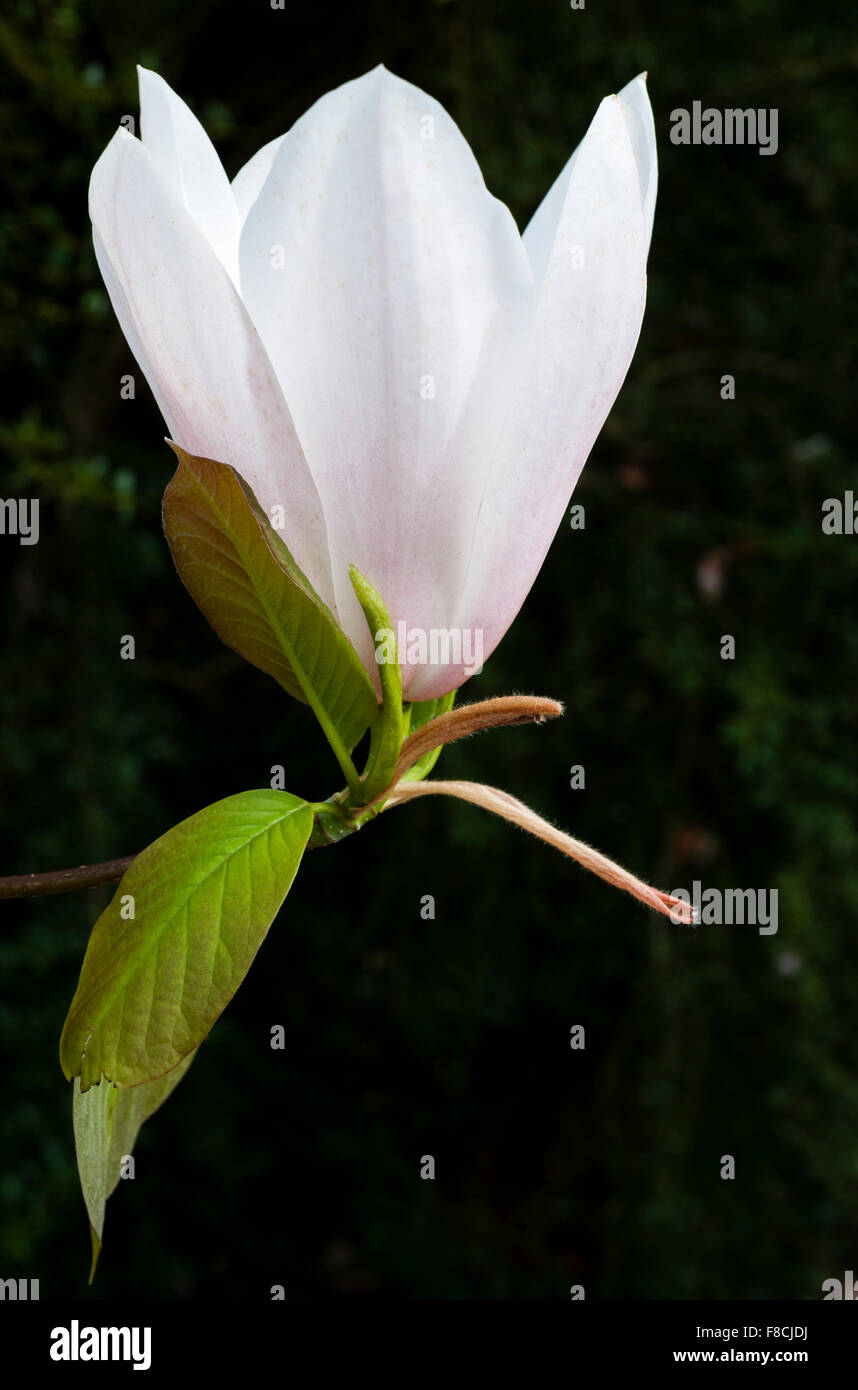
106	1124
244	580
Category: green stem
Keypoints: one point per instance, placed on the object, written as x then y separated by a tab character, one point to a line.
389	728
340	752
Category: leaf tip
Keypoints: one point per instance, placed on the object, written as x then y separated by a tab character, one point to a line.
68	1067
96	1251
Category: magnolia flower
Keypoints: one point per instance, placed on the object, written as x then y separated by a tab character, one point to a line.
356	325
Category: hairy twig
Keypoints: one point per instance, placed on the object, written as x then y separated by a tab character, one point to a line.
502	804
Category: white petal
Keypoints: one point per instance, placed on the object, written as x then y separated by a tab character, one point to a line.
247	184
634	101
186	158
401	279
542	228
196	345
583	337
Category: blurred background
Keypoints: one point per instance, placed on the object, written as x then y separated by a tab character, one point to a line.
450	1037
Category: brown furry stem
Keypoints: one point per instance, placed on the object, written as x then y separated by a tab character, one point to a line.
502	804
466	720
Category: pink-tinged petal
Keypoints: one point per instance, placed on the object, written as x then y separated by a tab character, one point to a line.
582	339
186	159
385	282
248	182
197	347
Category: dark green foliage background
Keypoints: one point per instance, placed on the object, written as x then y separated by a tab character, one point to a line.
450	1037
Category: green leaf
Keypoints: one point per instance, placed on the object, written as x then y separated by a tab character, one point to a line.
419	714
203	897
106	1124
241	575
